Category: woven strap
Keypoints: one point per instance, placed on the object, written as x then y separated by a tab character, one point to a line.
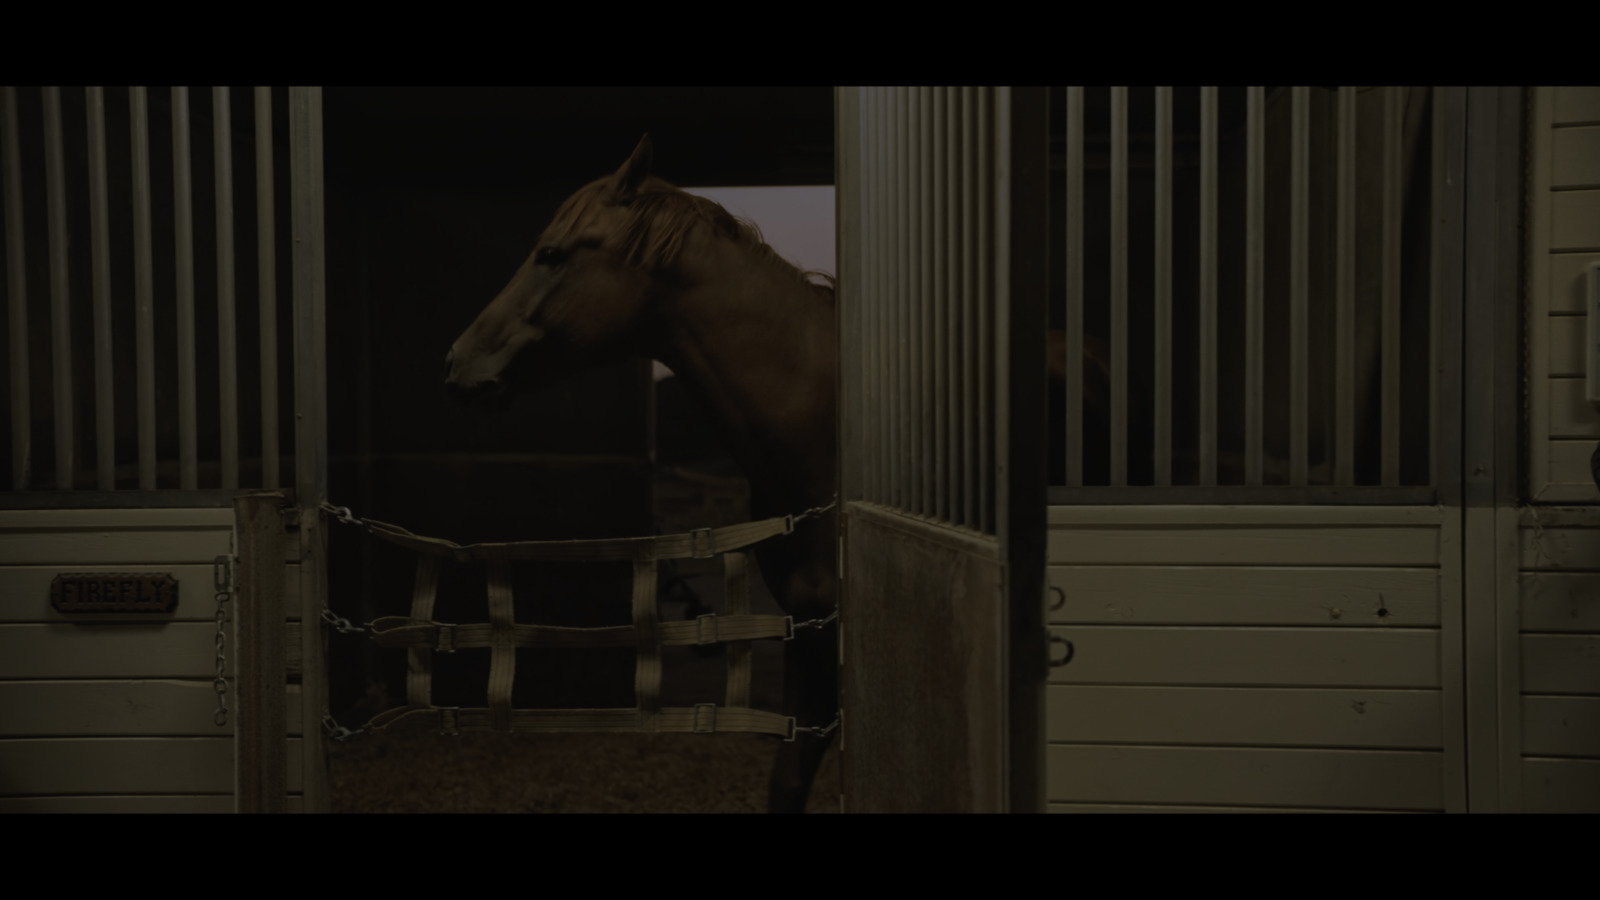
698	544
705	718
416	634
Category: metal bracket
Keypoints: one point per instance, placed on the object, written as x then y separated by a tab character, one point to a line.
711	727
694	543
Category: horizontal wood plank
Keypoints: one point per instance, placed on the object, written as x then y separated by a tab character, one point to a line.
1219	545
1125	808
113	707
1575	158
1389	719
1571	415
150	546
1560	785
181	765
1575	220
1238	595
1561	663
1566	273
1342	779
1557	548
1560	601
1561	726
1567	336
114	519
1267	657
1570	105
25	593
1072	515
1570	478
181	650
135	804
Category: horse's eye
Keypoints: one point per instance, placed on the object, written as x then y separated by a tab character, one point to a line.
550	256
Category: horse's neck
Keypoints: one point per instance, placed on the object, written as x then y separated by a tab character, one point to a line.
755	347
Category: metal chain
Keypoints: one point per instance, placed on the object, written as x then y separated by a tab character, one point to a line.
336	731
822	732
816	511
220	683
823	622
340	623
342	513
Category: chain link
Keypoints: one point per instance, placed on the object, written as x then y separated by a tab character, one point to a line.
223	581
340	623
336	731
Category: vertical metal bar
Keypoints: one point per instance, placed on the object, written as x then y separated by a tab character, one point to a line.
227	345
985	282
1163	307
105	426
267	287
969	309
938	261
883	307
1119	286
1345	301
16	295
1074	292
143	285
1254	279
1299	283
183	218
898	375
60	295
1208	286
952	299
922	362
1390	273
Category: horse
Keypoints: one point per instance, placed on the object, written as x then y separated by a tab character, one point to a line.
631	266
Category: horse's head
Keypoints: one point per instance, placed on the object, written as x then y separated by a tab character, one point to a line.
579	297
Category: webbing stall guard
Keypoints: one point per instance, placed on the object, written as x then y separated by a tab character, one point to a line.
421	636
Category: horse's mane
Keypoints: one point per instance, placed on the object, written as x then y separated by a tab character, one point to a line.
661	216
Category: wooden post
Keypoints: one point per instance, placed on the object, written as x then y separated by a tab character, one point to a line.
261	735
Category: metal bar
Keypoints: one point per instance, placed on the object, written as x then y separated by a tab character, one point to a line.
938	261
1208	285
1163	306
862	305
105	426
60	295
899	330
267	287
1390	273
227	342
1119	285
952	299
969	305
1345	299
985	282
16	294
922	322
1074	292
143	286
1254	279
883	305
183	218
1299	284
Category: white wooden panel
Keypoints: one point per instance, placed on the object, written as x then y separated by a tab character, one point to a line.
1217	545
1571	480
1571	416
1565	292
1560	548
147	545
1345	779
1272	657
1561	785
137	804
1577	157
1575	220
1236	595
133	708
1575	104
1118	808
1560	601
25	593
1567	335
1561	663
180	650
124	765
91	519
1275	516
1561	726
1407	720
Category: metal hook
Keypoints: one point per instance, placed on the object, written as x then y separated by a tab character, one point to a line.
1071	651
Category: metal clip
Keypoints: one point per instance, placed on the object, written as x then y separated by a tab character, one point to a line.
700	629
712	726
340	623
219	573
1058	639
822	732
450	721
336	731
694	543
447	638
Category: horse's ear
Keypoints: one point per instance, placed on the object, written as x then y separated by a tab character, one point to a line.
633	172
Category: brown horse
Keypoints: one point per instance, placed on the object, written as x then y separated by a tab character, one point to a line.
632	266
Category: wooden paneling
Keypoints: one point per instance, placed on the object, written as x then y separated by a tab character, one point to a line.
1561	663
25	593
1574	105
138	804
1233	716
106	546
1561	726
1275	657
1218	545
1576	160
128	708
1561	785
1114	808
1574	220
123	765
1244	595
1560	601
1343	779
1555	548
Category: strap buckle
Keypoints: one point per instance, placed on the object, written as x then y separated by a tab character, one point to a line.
700	629
694	543
711	725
